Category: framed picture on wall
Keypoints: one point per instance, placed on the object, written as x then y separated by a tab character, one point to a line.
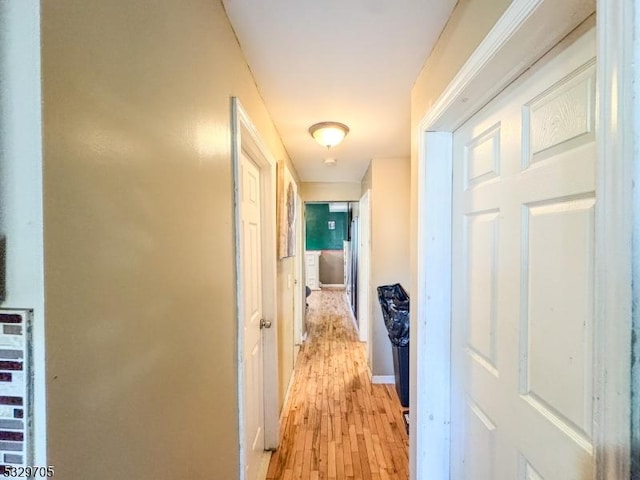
287	193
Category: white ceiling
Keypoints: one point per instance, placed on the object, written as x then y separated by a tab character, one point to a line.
350	61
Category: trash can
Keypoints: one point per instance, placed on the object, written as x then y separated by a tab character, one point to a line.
394	302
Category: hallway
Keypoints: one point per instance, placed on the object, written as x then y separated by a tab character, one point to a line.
336	424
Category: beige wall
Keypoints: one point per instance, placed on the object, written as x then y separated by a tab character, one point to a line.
469	23
329	192
390	181
286	347
286	310
138	218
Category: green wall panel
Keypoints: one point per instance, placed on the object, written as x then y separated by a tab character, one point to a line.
319	236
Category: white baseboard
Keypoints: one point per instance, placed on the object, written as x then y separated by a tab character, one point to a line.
263	468
376	379
351	315
288	392
302	340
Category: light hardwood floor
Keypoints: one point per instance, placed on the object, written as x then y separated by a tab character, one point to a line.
336	424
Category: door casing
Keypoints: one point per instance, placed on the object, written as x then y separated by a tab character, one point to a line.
299	296
245	137
364	273
527	30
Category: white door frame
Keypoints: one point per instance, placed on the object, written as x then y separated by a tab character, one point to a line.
527	30
245	137
364	272
299	295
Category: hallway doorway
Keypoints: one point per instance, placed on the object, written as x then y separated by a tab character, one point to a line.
335	423
337	244
605	244
254	174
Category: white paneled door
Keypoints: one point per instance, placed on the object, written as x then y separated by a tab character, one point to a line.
523	276
250	212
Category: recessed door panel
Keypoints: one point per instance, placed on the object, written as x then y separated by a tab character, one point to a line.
558	299
480	442
482	157
481	255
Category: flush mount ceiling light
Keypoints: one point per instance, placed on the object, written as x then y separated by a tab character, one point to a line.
328	134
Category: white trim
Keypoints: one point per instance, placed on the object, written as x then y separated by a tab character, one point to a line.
263	470
351	315
299	295
429	381
364	273
527	30
286	396
245	137
635	373
617	136
21	190
472	70
383	379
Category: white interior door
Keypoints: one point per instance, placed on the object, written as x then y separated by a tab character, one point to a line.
364	276
522	346
251	258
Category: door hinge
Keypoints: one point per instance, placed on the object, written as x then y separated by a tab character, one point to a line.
265	323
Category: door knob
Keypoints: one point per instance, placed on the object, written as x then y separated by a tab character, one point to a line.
265	323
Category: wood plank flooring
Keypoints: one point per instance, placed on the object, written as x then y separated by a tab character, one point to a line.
336	424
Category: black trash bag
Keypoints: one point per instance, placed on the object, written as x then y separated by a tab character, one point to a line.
394	302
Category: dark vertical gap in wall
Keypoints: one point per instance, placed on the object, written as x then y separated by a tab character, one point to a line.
635	333
354	215
635	385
